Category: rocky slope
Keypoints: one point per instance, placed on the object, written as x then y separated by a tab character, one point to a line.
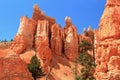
13	68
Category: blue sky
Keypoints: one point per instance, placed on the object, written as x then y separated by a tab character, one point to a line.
82	12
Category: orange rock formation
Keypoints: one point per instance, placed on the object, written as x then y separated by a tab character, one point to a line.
56	48
25	35
56	39
70	40
107	43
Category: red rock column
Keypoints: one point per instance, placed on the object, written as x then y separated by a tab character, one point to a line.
25	35
56	39
70	40
42	43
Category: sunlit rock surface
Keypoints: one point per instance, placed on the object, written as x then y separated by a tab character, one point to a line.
13	68
107	43
70	40
56	39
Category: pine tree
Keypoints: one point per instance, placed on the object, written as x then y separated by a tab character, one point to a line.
35	68
86	61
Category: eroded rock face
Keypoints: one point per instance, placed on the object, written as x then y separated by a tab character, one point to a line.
113	3
25	35
42	43
110	21
107	57
40	15
41	35
56	39
88	35
114	63
37	13
13	68
91	33
70	40
107	43
42	38
45	55
26	56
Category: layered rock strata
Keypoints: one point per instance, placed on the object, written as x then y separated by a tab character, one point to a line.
42	43
25	35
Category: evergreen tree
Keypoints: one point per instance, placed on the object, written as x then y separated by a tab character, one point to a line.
35	68
86	61
11	40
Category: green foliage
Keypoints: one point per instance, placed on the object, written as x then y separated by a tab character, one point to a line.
87	61
86	74
85	45
4	40
78	77
11	40
35	68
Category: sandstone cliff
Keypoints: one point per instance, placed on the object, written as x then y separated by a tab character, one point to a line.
110	21
107	43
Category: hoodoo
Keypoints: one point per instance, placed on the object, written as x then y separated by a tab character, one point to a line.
70	40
